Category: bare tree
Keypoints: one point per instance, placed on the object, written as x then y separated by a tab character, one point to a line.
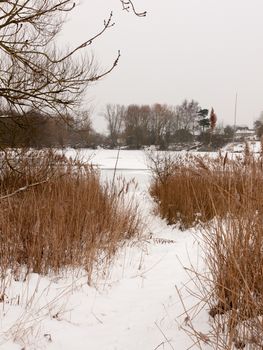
161	124
187	116
114	116
136	125
33	73
148	125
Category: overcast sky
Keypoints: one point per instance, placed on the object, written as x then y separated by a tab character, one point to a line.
206	50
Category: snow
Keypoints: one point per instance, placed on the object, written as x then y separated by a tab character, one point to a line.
245	132
135	306
239	147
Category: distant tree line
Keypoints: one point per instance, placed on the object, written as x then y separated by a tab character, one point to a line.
133	127
136	126
33	129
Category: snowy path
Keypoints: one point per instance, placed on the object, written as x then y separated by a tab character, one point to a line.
133	312
135	308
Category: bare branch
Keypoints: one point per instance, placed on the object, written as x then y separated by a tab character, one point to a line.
22	189
128	5
33	73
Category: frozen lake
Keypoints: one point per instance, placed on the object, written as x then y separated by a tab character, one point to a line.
128	164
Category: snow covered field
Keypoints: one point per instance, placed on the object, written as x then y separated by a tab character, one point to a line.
136	306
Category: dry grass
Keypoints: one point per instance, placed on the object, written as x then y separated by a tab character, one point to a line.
234	256
231	192
55	212
190	189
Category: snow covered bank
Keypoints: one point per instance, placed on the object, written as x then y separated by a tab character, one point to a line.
136	306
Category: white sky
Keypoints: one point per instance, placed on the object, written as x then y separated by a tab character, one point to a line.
205	50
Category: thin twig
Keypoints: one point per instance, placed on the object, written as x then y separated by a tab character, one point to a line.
127	4
161	344
22	189
165	337
115	167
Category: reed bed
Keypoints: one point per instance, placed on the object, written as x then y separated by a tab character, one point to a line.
225	198
192	189
234	256
55	213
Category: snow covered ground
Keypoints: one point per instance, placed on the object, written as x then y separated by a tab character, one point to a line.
136	306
